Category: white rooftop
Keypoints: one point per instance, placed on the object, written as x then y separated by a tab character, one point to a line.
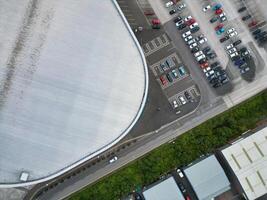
72	83
166	189
248	160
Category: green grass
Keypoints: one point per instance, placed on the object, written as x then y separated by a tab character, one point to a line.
203	139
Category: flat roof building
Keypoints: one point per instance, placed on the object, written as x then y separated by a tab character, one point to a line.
207	178
163	190
248	160
73	82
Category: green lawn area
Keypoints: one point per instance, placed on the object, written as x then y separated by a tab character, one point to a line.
203	139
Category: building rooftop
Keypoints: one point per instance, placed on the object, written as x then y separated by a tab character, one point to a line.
73	83
248	160
207	178
163	190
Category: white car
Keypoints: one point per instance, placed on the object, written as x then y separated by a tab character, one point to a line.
179	23
190	37
203	40
183	101
193	25
205	70
169	4
201	57
112	160
193	45
230	30
230	51
181	6
186	34
175	104
233	34
209	73
191	42
174	73
207	7
188	18
180	173
233	55
230	46
198	53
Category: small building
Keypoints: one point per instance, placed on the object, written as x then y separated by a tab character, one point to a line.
247	159
163	190
207	178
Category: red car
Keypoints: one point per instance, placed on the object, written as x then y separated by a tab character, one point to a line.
219	11
163	80
218	27
155	21
190	22
204	65
253	23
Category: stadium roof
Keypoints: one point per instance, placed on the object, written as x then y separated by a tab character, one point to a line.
73	83
166	189
207	178
248	159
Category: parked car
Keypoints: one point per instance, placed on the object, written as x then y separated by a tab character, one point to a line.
219	11
181	70
232	50
242	9
174	73
218	27
181	6
244	70
179	23
233	55
177	19
163	80
194	50
230	46
233	34
237	42
213	19
182	188
193	45
187	33
187	95
204	65
191	41
252	23
173	11
169	4
217	6
149	13
169	77
182	26
257	31
246	17
200	57
163	67
195	29
188	18
182	100
222	17
193	25
203	40
174	104
206	49
223	39
207	7
190	37
230	30
190	22
198	53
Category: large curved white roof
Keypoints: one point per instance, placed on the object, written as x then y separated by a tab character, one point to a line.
72	83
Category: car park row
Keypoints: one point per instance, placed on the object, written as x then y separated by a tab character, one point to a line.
237	53
203	53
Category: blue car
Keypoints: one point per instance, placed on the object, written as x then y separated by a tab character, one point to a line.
217	6
220	31
239	62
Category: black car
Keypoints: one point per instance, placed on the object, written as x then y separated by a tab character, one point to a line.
223	39
257	31
212	55
181	26
169	77
177	19
172	12
215	64
237	42
202	61
217	84
194	50
226	80
241	9
182	188
246	17
195	29
187	95
263	39
206	49
244	49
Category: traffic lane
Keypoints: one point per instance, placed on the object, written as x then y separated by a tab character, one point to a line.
187	58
